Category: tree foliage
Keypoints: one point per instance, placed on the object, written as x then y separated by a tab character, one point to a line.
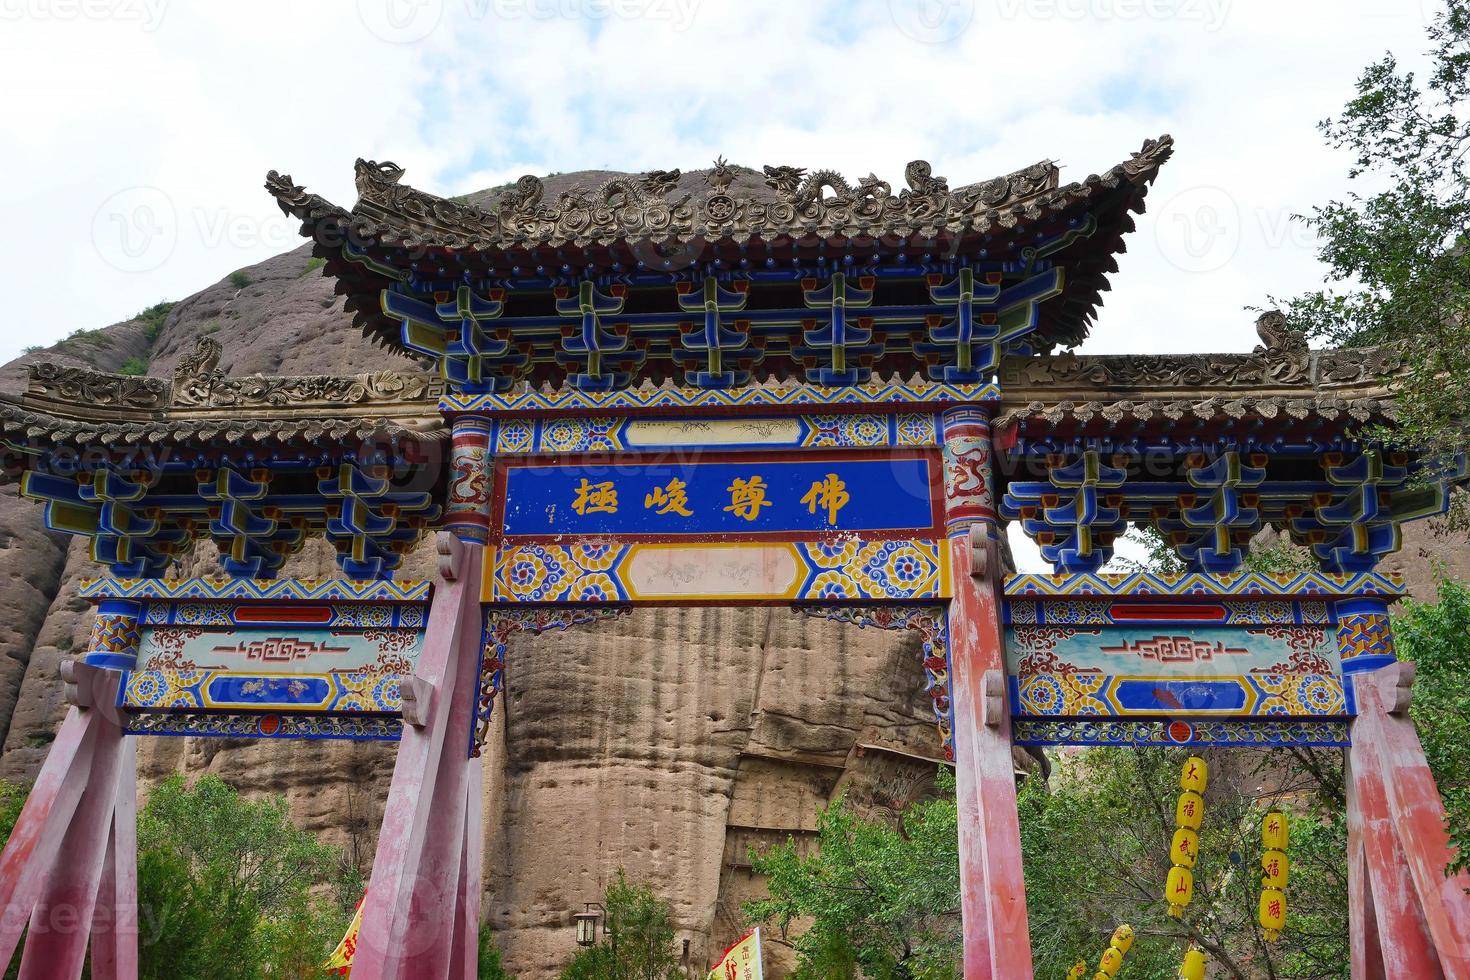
1398	249
1436	637
881	898
639	944
228	887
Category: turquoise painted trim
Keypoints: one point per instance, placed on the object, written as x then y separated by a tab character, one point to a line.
1197	584
317	590
783	396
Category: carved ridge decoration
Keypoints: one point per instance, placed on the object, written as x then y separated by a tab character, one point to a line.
311	391
1147	409
42	429
79	385
650	206
199	384
1288	380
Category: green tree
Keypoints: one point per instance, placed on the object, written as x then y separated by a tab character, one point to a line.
228	887
1396	252
640	940
881	898
1436	637
490	967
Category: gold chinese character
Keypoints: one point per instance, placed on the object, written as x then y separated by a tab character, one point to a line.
669	499
747	497
829	494
596	498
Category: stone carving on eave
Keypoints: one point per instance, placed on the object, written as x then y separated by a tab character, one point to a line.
1281	370
732	203
200	390
1282	378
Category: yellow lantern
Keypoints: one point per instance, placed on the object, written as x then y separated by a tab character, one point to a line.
1274	869
1190	810
1122	939
1078	972
1184	849
1195	775
1272	913
1101	976
1110	962
1194	965
1273	830
1178	890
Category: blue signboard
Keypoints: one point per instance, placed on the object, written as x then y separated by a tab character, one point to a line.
727	498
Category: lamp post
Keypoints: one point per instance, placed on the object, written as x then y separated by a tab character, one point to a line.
586	922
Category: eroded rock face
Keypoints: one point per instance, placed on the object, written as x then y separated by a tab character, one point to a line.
668	742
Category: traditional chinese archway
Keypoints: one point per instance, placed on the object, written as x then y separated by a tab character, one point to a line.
728	388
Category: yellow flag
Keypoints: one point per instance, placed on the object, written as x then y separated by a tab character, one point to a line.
741	961
341	959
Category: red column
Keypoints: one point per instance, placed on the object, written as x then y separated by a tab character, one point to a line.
993	892
59	872
426	872
1409	919
413	893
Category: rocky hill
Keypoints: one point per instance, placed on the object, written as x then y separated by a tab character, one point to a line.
667	742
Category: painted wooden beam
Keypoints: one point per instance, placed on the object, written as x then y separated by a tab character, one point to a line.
1423	915
61	916
464	964
391	931
76	786
115	921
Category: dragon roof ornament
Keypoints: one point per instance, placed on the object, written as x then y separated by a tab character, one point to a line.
725	202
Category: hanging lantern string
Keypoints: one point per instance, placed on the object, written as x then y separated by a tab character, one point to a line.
1184	848
1275	870
1112	957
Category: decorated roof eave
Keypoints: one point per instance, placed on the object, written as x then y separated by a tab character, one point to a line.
73	405
24	428
629	212
1282	378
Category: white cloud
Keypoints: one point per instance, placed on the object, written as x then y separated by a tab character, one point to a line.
124	105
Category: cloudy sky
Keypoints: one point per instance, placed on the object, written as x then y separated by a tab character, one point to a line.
135	134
